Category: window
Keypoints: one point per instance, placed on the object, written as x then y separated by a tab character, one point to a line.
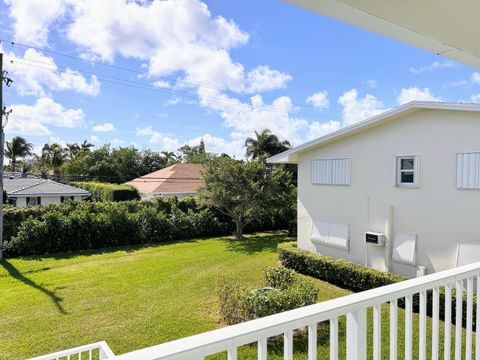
331	171
468	170
34	200
406	171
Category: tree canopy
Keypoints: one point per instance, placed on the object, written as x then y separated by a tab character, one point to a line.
264	145
17	148
245	190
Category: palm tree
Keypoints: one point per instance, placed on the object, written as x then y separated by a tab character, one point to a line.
170	157
266	144
54	156
72	151
85	146
18	147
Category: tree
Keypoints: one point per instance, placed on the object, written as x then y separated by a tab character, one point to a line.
244	191
18	147
195	154
53	156
72	151
85	146
264	145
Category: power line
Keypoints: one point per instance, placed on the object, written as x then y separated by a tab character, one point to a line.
143	86
142	73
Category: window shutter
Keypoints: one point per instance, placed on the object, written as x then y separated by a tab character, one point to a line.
39	200
330	234
331	171
468	170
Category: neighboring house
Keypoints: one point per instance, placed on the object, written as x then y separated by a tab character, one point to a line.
33	191
178	180
410	176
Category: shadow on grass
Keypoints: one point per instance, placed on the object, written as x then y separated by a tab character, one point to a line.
255	243
99	251
15	273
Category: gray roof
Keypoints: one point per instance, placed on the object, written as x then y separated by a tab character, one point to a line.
38	187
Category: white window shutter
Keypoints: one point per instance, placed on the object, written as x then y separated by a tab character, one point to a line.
404	248
468	170
331	171
330	234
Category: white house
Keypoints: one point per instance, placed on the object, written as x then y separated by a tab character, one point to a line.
34	191
399	191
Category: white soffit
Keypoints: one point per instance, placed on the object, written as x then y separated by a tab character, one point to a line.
445	27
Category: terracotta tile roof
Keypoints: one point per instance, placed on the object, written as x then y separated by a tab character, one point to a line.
178	178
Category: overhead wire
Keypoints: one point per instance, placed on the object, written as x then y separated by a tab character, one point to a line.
115	80
174	92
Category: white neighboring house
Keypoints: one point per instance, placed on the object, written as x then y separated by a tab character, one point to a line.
399	191
33	191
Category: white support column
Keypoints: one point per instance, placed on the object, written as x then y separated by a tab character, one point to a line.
356	335
288	345
312	341
334	339
393	329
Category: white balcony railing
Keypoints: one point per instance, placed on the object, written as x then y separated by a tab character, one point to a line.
95	351
354	307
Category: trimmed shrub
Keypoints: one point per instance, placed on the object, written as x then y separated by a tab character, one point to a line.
357	278
109	192
238	303
92	225
338	272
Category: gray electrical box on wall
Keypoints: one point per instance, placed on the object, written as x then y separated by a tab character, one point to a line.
375	238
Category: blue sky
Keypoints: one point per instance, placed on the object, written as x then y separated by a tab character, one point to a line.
217	70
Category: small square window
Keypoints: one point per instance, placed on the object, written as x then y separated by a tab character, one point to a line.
406	171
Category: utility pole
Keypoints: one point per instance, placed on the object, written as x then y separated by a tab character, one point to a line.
3	115
2	138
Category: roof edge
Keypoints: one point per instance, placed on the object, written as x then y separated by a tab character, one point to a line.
284	157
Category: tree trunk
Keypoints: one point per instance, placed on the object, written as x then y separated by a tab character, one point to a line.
239	229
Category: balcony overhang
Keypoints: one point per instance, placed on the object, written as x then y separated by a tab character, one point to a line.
445	27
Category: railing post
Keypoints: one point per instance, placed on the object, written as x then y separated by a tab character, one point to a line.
356	335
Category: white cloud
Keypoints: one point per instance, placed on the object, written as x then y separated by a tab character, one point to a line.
162	84
475	98
436	65
318	129
35	119
35	73
219	145
32	19
167	143
319	100
262	78
372	84
117	141
415	94
245	118
106	127
475	78
356	109
95	139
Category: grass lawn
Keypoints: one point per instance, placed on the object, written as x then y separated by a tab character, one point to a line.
134	297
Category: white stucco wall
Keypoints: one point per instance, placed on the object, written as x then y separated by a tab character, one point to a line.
440	214
46	200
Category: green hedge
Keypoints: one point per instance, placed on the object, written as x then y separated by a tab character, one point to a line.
286	290
338	272
357	278
89	225
109	192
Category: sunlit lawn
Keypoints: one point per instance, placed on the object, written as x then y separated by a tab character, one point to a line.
138	297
